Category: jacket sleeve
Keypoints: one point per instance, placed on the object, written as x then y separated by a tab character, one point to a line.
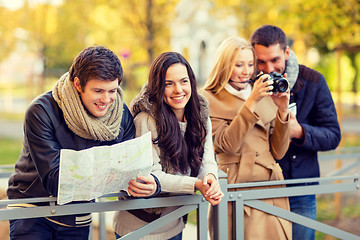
127	124
169	182
43	147
228	137
323	132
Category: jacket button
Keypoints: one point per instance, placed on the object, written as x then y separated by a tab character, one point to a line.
257	154
294	157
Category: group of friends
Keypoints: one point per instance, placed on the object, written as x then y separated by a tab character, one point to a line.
234	123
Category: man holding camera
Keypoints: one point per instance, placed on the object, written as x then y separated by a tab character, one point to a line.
313	121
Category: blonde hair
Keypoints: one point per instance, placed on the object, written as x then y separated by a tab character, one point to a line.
225	59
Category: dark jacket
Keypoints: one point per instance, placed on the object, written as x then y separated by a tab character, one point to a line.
45	134
316	114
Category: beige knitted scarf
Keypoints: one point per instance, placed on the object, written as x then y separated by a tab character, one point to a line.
79	120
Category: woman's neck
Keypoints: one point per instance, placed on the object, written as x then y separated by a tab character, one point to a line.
180	115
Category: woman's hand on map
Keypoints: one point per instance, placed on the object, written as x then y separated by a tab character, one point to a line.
143	186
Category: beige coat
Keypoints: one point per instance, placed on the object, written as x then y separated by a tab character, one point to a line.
246	145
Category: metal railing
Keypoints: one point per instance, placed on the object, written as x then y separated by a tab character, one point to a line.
185	203
6	171
252	198
189	203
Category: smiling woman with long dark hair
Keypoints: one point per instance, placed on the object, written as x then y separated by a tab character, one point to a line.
169	107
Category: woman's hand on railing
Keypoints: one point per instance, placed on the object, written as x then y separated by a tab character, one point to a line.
210	189
143	186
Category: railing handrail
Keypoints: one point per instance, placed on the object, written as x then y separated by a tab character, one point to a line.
6	170
319	180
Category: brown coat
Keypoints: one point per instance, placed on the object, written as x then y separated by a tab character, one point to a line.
246	145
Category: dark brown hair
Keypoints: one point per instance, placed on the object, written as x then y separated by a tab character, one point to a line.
96	62
177	151
268	35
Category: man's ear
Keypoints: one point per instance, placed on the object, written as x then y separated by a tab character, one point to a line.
77	84
287	52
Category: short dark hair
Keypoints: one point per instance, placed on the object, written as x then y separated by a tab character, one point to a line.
96	62
268	35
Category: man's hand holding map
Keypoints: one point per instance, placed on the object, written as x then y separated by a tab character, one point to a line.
93	172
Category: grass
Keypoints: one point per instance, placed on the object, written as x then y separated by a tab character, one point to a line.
12	116
326	212
326	207
9	150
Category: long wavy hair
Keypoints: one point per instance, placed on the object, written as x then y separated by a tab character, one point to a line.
224	63
179	153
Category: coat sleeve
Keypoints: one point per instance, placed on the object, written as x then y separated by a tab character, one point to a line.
208	165
228	137
323	132
279	138
169	182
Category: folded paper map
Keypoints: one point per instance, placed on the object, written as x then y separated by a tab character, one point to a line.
93	172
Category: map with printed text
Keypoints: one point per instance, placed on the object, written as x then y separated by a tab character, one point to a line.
93	172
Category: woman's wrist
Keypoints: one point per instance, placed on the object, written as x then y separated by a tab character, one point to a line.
157	184
284	115
213	175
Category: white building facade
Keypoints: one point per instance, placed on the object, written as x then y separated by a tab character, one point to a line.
197	31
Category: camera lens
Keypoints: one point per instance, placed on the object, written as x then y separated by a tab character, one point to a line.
282	85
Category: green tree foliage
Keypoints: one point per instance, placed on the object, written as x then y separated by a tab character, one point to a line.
333	25
254	13
9	22
146	26
330	24
60	32
139	30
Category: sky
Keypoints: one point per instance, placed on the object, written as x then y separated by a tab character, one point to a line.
15	4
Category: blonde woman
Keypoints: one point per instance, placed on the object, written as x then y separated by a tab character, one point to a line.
250	130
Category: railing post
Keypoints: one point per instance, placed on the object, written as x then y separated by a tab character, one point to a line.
102	224
221	211
202	226
238	217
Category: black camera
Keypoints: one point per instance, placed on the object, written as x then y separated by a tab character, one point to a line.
280	83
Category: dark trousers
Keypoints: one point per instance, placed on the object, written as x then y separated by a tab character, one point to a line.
177	237
43	229
306	206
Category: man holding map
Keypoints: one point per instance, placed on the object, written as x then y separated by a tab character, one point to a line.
85	109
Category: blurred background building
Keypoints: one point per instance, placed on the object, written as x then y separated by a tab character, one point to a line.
196	32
